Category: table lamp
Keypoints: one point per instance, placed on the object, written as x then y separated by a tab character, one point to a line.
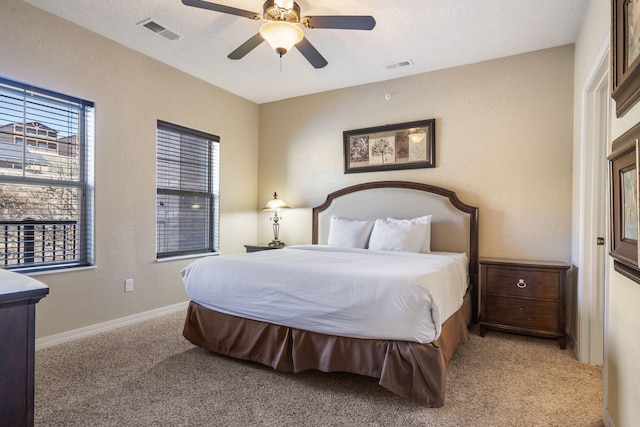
275	205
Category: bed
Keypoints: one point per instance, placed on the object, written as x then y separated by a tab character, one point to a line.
278	307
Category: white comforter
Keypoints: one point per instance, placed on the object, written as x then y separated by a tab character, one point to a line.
356	293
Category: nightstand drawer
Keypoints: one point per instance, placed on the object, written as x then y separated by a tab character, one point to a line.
522	283
523	313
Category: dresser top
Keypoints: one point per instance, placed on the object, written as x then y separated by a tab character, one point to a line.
16	287
524	263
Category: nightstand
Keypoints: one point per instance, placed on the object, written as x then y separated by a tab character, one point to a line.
261	247
525	297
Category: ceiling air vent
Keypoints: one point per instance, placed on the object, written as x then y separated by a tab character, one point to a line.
399	64
151	25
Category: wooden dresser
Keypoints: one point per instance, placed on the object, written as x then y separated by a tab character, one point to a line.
18	297
521	296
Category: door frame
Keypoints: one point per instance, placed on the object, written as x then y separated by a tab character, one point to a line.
593	271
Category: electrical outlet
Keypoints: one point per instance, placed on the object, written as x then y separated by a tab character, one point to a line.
128	285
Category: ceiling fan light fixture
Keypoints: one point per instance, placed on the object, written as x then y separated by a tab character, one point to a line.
282	36
282	28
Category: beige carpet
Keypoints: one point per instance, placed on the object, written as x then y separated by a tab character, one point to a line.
148	375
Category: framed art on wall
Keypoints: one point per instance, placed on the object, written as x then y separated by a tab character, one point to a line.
408	145
625	224
625	48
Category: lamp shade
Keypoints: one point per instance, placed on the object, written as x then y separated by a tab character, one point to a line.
275	204
281	35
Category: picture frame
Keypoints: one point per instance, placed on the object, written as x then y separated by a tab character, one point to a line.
409	145
625	204
625	60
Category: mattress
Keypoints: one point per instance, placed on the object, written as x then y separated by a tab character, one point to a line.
357	293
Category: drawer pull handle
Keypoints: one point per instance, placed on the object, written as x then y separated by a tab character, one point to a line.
521	284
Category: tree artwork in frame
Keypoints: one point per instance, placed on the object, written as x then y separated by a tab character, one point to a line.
408	145
625	202
625	64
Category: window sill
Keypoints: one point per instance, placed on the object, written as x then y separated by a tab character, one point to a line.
177	258
57	270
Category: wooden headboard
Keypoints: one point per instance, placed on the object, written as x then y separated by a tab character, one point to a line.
454	225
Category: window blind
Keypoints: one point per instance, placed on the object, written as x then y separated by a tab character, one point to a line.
46	179
187	175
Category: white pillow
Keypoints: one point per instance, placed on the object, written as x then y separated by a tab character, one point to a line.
426	244
349	233
399	235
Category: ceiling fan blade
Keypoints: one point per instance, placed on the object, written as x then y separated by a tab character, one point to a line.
340	22
246	47
311	53
222	9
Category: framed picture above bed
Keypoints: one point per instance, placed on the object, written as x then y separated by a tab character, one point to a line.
625	64
625	202
410	145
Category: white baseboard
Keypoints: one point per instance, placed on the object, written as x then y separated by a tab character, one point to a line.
107	326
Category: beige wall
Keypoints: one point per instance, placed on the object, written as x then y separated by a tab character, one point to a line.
504	144
622	317
622	346
130	92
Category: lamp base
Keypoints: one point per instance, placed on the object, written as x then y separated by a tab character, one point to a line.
276	242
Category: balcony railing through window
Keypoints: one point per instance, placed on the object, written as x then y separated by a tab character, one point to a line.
42	242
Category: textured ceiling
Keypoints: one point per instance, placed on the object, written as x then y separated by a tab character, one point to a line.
431	34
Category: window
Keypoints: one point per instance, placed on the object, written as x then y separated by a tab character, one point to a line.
187	176
46	197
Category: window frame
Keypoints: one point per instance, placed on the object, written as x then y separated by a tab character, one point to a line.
83	239
212	194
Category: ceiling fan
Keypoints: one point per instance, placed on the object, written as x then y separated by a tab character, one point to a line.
282	28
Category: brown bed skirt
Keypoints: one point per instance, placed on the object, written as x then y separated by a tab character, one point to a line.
414	371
